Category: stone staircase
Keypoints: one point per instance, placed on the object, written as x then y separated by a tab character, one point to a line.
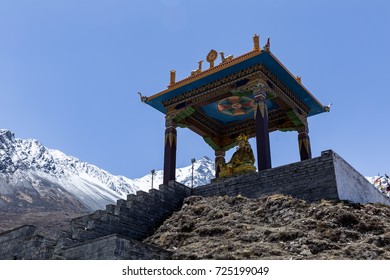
136	217
113	233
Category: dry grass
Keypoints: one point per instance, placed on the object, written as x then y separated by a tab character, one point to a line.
275	227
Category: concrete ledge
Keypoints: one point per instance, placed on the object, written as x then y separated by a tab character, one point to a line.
353	186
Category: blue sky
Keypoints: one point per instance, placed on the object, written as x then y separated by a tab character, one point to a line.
70	71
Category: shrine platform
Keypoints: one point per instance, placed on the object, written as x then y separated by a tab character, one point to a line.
327	177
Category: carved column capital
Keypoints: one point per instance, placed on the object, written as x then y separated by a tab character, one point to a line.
260	98
303	129
259	94
169	122
220	153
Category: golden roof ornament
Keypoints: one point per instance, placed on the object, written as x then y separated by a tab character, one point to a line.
172	77
197	71
211	57
225	59
256	42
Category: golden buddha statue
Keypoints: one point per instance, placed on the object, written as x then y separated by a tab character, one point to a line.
242	161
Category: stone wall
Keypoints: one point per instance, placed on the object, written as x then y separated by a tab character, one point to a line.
23	243
325	177
114	247
310	180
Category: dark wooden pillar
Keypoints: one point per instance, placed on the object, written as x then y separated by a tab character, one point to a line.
304	142
170	150
219	158
262	134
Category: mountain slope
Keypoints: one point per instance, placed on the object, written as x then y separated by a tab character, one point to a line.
382	183
33	177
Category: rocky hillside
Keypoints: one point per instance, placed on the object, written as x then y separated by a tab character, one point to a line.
275	227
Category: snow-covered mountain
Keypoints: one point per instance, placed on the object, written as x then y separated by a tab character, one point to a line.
382	183
203	173
33	176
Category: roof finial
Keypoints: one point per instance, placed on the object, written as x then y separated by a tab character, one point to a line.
225	59
327	108
211	57
267	46
143	98
196	71
172	77
256	42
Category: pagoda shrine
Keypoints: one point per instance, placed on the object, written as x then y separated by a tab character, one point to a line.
238	98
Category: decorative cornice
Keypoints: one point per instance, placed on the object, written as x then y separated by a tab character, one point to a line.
220	87
207	72
210	90
214	69
281	89
208	122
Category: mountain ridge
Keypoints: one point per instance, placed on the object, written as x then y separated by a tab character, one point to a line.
33	176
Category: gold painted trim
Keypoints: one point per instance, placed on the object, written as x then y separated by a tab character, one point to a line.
207	72
304	143
262	108
171	138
